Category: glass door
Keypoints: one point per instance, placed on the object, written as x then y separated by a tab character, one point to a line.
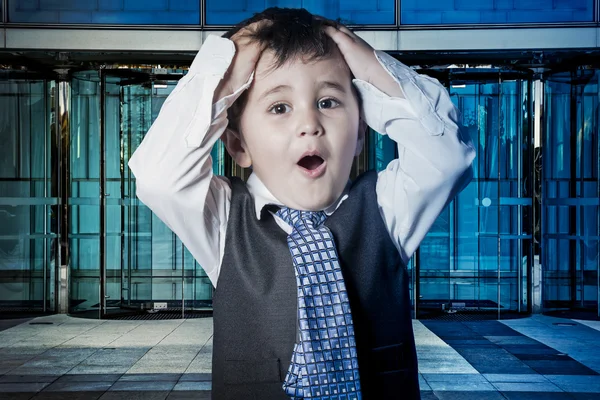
571	192
477	256
147	266
123	259
28	194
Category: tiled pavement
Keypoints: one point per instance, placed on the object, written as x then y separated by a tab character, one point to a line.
59	357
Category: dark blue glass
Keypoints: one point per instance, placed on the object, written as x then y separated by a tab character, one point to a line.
381	150
126	12
439	12
571	190
481	234
360	12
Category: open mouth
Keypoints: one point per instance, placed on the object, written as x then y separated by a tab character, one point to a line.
311	162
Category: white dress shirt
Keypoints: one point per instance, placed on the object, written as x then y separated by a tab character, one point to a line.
173	166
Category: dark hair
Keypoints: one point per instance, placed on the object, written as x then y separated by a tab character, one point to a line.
291	33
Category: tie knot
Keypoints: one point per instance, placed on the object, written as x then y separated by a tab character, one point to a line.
295	217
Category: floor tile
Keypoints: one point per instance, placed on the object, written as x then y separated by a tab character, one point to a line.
526	387
195	377
469	395
437	386
31	387
150	377
28	378
16	396
78	386
200	395
68	396
140	395
428	395
143	386
89	378
537	396
525	378
193	386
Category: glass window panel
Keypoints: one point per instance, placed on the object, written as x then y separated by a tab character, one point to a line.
480	235
571	230
359	12
27	217
381	150
439	12
127	12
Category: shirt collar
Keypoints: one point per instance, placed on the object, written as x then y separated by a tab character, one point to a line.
263	197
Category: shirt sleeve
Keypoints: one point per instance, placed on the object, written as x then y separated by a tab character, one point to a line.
173	166
434	154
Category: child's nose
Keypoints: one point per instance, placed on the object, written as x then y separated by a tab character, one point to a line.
310	125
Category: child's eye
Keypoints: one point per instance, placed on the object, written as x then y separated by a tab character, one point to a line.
328	103
279	108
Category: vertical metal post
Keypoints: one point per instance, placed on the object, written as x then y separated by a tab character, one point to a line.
519	207
573	186
4	11
416	282
102	134
63	132
45	261
500	93
202	13
537	228
531	174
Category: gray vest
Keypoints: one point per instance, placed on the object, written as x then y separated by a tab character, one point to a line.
255	304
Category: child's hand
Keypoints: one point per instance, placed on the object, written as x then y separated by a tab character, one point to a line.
247	53
360	57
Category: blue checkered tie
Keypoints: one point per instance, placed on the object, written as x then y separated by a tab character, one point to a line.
324	364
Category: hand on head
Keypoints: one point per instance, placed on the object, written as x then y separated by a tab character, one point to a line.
361	59
247	54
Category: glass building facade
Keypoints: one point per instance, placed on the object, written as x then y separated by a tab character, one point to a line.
353	12
526	226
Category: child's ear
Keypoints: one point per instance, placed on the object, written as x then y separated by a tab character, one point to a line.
236	147
362	132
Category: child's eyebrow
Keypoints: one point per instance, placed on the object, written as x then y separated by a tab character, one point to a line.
332	85
276	89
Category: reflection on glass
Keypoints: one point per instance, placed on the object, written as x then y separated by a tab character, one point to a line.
127	12
27	206
437	12
571	190
476	255
84	199
367	12
144	259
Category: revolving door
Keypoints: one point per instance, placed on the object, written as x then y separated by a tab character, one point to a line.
571	191
28	193
478	254
123	258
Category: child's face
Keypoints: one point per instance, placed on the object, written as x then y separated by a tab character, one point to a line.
300	129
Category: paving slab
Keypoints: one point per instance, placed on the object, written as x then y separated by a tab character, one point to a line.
530	359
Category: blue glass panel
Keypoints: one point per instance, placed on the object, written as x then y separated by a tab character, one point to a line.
571	191
381	150
438	12
360	12
482	233
127	12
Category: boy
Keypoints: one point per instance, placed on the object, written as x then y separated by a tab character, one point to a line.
311	296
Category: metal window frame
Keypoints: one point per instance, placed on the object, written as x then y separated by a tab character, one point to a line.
397	25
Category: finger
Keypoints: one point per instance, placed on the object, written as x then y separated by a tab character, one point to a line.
340	38
347	31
